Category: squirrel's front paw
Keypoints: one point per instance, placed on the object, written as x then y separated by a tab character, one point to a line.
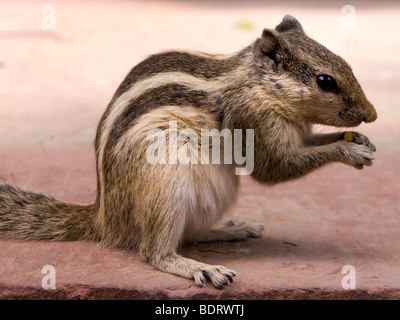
356	155
359	138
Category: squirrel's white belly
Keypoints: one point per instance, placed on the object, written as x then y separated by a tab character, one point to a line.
210	190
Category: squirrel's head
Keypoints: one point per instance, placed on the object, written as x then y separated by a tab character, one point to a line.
317	85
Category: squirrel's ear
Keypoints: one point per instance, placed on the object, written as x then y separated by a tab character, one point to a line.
289	23
266	48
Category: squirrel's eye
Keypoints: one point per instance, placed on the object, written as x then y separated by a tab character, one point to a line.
327	83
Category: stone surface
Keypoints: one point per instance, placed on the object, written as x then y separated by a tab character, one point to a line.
313	227
55	85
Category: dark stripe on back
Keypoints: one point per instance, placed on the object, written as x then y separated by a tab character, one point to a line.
167	95
173	61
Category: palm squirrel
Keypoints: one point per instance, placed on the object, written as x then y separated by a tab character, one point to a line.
279	86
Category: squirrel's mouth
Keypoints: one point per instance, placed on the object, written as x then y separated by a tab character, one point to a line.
357	114
351	118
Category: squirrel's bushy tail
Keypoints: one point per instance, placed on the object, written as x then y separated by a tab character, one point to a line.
27	215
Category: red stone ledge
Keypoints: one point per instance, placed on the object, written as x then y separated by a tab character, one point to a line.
80	292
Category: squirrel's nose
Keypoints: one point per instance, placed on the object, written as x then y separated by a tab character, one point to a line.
370	114
371	117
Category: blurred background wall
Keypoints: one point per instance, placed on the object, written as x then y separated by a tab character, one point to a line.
61	61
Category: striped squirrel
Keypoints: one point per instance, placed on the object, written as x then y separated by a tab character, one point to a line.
280	86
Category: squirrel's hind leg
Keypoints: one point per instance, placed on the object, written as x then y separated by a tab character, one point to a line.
163	231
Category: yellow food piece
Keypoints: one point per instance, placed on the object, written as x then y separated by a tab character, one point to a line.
348	136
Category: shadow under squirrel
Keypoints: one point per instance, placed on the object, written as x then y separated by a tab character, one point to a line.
278	86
